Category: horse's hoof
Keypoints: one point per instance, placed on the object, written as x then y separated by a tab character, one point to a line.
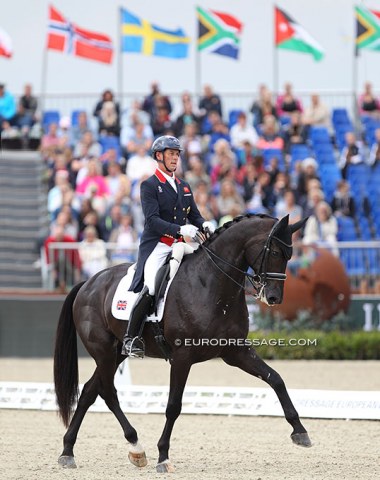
301	439
165	467
66	461
138	459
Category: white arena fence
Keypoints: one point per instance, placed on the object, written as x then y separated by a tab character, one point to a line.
360	258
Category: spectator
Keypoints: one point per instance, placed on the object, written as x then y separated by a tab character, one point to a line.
192	144
242	132
161	123
27	109
295	133
7	106
186	117
66	220
317	114
249	181
87	146
92	253
125	237
196	173
109	119
265	108
262	199
140	164
322	227
150	101
111	220
78	131
210	102
368	103
203	202
223	162
308	171
343	203
257	104
51	141
311	200
288	206
287	102
107	96
374	154
270	138
116	180
352	154
10	138
55	195
90	218
136	135
66	264
135	113
94	186
219	131
229	197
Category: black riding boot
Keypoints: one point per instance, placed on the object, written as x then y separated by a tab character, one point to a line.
133	344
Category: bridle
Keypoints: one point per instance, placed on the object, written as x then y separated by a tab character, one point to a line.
258	280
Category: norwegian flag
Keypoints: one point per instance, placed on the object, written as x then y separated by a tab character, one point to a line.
65	36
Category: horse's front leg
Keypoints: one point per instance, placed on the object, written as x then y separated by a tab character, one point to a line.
179	372
247	359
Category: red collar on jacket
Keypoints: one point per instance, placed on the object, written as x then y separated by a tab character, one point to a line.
161	177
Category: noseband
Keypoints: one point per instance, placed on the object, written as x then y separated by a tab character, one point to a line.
259	280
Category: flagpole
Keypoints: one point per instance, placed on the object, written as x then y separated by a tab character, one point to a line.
275	55
43	81
120	63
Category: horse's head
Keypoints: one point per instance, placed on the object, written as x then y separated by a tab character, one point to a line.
269	259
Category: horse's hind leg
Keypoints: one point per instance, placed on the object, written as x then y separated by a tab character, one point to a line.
87	398
247	359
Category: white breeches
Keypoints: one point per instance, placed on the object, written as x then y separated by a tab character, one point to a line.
157	258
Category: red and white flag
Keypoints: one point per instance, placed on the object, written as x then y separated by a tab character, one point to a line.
6	49
67	37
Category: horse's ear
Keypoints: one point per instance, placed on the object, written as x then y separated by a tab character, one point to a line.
296	226
283	223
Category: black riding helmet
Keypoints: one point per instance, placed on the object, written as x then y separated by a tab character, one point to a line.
164	142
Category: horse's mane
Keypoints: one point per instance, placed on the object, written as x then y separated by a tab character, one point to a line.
227	225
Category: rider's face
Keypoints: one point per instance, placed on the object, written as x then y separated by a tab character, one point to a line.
171	158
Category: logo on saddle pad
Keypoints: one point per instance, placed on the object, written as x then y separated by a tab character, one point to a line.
121	305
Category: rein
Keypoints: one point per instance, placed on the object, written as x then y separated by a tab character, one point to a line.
259	280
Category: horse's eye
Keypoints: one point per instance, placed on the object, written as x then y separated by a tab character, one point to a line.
275	253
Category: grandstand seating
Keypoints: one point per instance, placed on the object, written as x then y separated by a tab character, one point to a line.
49	117
74	117
233	116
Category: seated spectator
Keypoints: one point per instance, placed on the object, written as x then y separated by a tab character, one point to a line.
223	162
322	227
209	102
203	202
280	186
256	105
264	108
295	133
218	131
138	133
273	168
7	106
192	144
66	265
368	103
343	203
27	109
66	220
50	141
94	186
150	101
111	220
140	164
90	218
308	171
55	195
125	237
262	199
309	203
134	114
87	146
77	131
270	137
92	253
196	173
352	154
107	96
317	113
287	206
374	154
242	132
186	117
10	137
288	102
108	118
249	180
229	197
116	180
161	123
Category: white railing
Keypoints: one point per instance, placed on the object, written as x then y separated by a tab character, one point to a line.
361	260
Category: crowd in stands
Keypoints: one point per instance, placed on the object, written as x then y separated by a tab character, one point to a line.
277	157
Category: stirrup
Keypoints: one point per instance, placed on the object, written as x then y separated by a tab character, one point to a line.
134	348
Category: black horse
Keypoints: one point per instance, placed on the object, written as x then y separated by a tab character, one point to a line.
206	301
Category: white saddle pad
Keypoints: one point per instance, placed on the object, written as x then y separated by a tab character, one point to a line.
124	300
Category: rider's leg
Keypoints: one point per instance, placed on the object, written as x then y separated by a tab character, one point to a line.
179	250
133	344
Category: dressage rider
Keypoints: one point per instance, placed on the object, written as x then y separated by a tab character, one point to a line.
167	204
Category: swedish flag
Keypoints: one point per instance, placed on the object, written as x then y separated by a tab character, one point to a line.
140	36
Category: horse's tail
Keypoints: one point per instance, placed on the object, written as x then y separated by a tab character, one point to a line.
66	358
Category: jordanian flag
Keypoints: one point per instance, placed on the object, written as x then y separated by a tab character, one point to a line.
218	33
290	35
367	28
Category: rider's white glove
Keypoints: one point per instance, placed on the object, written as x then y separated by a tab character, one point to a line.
188	231
208	226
